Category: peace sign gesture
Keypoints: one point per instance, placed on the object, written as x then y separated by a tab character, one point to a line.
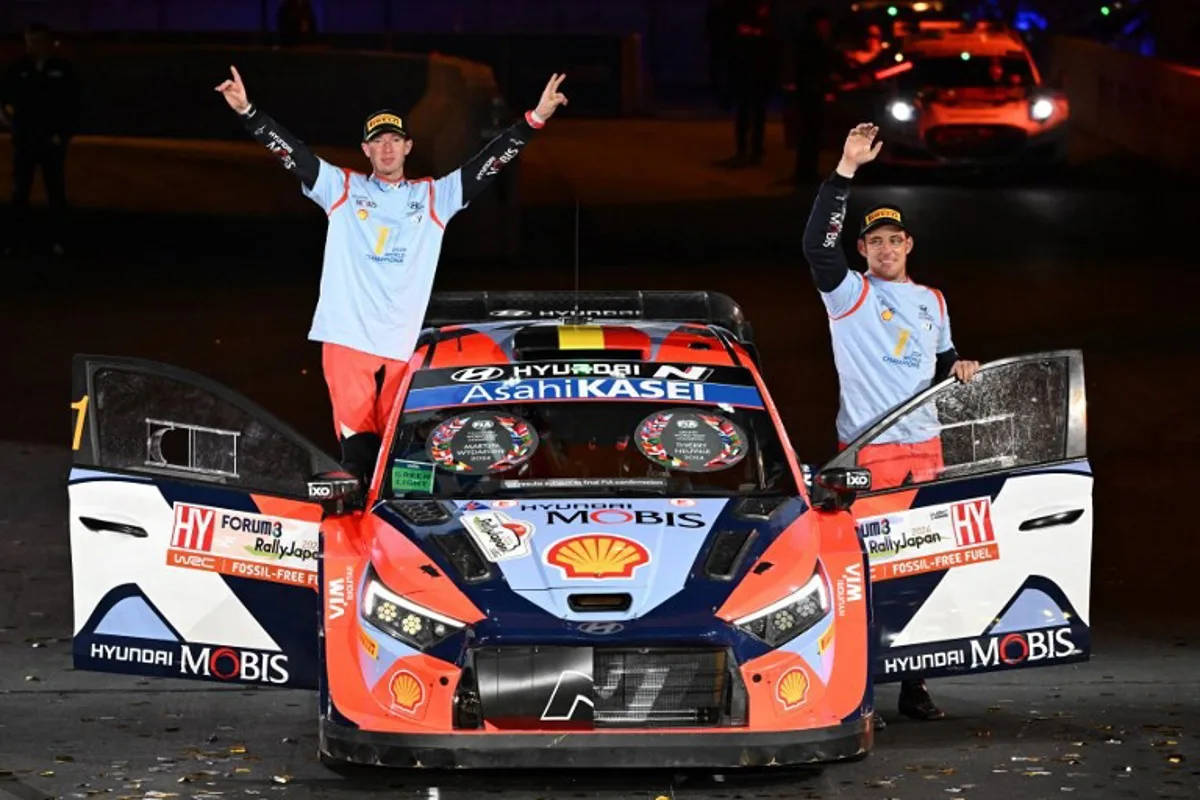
235	92
551	97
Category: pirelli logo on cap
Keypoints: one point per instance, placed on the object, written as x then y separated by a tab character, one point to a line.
883	213
384	119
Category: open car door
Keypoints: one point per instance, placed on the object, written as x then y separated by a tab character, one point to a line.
985	563
194	547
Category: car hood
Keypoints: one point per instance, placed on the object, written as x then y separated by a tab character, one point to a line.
978	97
592	544
640	552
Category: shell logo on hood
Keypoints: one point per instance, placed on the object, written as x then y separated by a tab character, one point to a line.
792	688
597	556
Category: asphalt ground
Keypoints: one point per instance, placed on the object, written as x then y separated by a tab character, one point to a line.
203	256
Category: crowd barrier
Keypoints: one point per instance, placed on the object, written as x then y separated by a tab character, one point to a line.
1148	107
452	107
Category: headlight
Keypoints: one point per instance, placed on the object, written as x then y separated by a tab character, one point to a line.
902	111
412	624
785	620
1042	109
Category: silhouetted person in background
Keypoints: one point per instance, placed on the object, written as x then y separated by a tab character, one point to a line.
40	97
718	30
296	22
820	67
752	65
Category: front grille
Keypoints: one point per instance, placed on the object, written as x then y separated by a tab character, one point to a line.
975	141
663	689
581	688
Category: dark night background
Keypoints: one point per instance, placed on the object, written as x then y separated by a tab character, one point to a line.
189	245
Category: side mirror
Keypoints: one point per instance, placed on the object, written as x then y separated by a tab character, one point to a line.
337	492
836	489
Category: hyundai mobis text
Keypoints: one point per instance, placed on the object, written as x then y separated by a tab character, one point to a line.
588	541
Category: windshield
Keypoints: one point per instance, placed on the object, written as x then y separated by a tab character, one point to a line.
1008	72
603	428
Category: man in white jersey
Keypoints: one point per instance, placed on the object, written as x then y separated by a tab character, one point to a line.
381	253
891	339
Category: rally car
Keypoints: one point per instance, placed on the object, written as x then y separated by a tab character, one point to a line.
969	98
588	541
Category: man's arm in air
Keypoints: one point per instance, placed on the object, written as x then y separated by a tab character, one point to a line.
453	192
841	289
322	182
291	151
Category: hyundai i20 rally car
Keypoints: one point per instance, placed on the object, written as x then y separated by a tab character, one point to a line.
588	542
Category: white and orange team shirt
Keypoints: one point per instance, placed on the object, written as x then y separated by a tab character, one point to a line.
381	255
886	336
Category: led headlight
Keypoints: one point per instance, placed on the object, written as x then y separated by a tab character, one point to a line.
786	619
416	626
902	111
1041	109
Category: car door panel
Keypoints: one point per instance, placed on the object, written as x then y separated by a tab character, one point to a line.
988	565
195	552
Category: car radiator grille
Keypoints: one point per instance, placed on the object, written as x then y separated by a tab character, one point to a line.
590	688
660	689
975	141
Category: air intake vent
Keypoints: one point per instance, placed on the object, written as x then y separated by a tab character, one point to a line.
759	507
597	603
423	512
727	552
463	556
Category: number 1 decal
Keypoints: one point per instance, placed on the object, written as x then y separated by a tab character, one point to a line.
381	242
80	407
901	341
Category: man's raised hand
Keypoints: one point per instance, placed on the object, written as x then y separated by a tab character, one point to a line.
234	92
551	98
860	148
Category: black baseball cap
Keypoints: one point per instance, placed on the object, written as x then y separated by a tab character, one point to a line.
383	121
882	215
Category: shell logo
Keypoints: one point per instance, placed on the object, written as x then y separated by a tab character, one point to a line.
887	315
597	556
792	688
407	692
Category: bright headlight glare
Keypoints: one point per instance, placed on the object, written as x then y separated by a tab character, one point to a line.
902	111
415	625
1041	109
786	619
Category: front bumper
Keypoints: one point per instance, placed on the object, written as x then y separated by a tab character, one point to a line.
597	750
986	145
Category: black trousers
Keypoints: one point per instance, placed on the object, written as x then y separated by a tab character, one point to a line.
751	91
28	155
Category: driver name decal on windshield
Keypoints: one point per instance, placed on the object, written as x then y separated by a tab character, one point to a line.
482	443
582	389
929	539
691	441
